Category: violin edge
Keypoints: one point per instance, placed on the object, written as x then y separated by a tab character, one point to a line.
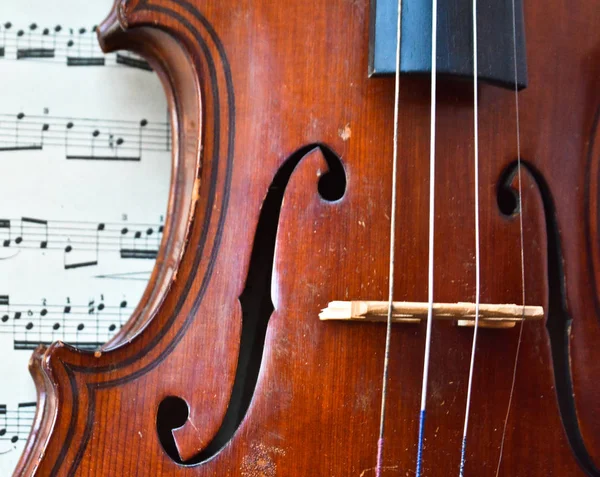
118	32
50	365
27	463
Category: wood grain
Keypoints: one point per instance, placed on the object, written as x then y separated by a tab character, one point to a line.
252	84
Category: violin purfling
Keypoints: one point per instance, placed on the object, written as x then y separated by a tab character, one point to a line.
280	204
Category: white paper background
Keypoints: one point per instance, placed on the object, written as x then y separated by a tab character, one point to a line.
43	184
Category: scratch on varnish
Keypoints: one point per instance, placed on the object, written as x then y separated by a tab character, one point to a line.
372	469
345	132
260	462
196	191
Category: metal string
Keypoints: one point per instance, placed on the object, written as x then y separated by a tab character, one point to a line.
388	333
431	235
518	125
477	254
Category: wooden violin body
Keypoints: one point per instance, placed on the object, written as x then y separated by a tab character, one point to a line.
280	203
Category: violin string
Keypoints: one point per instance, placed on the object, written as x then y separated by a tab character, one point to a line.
477	251
522	241
431	236
388	333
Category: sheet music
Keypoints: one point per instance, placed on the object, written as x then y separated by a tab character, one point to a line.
85	149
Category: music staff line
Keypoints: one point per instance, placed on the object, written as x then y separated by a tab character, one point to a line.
82	242
84	326
77	48
84	138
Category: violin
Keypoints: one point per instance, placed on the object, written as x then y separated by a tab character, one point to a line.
381	255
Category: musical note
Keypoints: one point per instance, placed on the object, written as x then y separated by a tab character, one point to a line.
86	326
3	421
16	424
5	232
80	149
71	47
84	138
82	243
5	28
5	305
15	137
139	253
29	51
32	224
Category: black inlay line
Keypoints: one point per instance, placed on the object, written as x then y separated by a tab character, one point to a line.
139	254
72	421
559	320
89	423
106	158
207	219
23	54
209	207
83	61
133	62
588	205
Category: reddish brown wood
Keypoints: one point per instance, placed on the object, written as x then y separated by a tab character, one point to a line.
249	84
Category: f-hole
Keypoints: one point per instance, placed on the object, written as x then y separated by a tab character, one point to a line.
257	306
559	319
172	413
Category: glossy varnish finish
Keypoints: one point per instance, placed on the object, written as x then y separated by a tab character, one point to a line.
252	83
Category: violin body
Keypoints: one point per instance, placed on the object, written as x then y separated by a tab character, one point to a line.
280	203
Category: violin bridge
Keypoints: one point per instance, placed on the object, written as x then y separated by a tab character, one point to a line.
490	315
